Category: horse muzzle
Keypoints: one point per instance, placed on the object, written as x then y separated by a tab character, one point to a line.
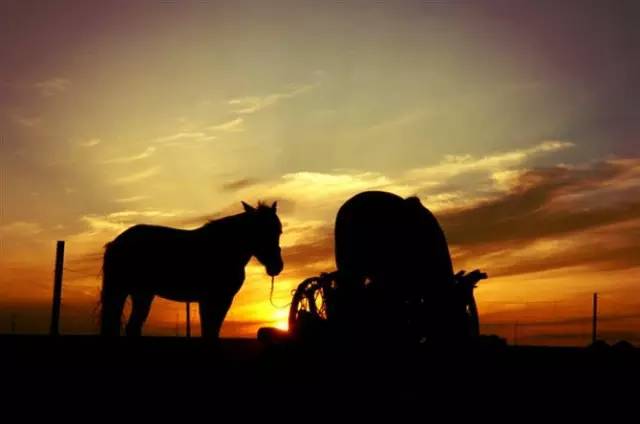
274	270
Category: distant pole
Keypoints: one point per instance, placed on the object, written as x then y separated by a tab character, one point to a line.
594	327
57	289
188	320
515	334
13	323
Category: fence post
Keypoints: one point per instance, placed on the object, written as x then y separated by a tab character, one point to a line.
594	323
57	289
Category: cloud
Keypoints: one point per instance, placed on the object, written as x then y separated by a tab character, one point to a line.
90	143
131	199
127	159
252	104
133	215
527	211
234	125
20	229
138	176
183	136
27	121
456	182
315	251
455	165
236	185
101	228
316	187
52	86
535	228
506	217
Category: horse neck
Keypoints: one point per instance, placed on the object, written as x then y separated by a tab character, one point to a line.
232	230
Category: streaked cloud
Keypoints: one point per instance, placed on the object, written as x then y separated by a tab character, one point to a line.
131	199
234	125
27	121
102	227
90	143
138	176
530	209
20	229
127	159
239	184
253	104
453	165
181	136
52	86
526	225
486	178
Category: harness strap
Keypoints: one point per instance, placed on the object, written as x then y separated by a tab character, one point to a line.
271	298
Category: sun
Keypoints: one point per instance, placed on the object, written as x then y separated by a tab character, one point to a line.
282	324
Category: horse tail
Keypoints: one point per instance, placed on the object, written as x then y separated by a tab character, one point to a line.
107	260
111	297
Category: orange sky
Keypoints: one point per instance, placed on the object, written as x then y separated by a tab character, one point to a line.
517	125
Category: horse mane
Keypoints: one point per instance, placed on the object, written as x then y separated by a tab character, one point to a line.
262	207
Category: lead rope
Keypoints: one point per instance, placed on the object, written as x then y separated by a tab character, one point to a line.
271	297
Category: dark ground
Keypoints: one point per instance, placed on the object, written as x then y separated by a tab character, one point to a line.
272	379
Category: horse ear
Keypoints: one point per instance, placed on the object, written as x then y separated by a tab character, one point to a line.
248	207
274	206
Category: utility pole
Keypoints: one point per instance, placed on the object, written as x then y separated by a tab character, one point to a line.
594	326
188	320
57	289
515	334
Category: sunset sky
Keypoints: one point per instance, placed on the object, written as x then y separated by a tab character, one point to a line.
517	123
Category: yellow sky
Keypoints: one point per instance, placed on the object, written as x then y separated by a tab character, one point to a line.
172	115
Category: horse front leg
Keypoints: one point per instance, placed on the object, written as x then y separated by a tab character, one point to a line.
212	313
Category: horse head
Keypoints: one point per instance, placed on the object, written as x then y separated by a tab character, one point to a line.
265	234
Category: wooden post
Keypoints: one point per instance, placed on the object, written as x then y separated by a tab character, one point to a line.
594	325
188	319
57	289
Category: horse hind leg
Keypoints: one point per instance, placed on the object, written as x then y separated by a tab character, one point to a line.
140	307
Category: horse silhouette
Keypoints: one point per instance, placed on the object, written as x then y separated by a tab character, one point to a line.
204	265
397	249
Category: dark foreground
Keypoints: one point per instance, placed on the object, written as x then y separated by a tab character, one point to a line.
176	371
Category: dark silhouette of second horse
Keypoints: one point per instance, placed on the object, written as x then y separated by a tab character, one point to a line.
397	249
204	265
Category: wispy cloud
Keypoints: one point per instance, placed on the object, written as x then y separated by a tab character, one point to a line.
131	199
138	176
182	136
485	178
127	159
252	104
234	125
453	165
239	184
103	227
27	121
52	86
20	228
517	232
90	143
